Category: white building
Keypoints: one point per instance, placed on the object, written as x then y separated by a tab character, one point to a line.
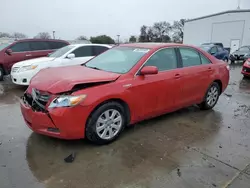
232	28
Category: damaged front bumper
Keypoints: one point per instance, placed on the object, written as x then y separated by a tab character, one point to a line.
64	123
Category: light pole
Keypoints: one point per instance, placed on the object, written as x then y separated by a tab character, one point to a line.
53	34
118	39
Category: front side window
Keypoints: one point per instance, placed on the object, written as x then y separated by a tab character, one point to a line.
190	57
60	52
39	45
118	59
84	51
20	47
164	59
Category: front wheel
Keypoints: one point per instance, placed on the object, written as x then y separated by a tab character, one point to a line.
106	123
211	98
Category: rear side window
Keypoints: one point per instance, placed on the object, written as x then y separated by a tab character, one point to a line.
84	51
164	59
56	45
190	57
204	60
20	47
39	45
214	50
220	49
99	49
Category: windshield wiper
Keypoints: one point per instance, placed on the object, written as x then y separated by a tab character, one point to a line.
92	67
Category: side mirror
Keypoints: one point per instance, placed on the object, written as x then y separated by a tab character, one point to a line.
147	70
8	51
71	56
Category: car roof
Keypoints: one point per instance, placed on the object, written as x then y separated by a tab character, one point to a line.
152	45
25	40
80	45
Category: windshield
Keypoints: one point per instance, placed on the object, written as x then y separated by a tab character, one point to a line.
118	59
244	49
61	51
205	48
4	45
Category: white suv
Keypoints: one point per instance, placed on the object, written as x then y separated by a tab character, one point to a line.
75	54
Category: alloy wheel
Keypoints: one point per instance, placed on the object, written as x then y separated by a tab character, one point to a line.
109	124
212	96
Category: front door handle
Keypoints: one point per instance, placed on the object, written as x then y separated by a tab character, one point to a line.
177	76
28	55
209	69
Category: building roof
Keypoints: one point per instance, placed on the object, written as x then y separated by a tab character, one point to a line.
220	13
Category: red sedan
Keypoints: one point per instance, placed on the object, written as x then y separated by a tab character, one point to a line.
246	68
122	86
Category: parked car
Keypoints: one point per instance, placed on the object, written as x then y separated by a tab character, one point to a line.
213	43
20	50
75	54
122	86
242	54
246	68
216	51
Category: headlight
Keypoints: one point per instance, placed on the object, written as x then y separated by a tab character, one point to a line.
26	68
67	101
248	62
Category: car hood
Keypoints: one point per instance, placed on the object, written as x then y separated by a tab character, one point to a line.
63	79
33	61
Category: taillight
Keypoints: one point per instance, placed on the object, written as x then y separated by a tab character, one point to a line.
228	67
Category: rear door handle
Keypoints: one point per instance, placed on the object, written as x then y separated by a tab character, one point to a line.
28	55
177	76
209	69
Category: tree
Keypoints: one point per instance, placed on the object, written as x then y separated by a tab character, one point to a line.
132	39
18	35
43	35
143	36
159	32
102	39
178	32
81	38
2	34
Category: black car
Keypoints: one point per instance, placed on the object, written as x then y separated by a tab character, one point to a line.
242	54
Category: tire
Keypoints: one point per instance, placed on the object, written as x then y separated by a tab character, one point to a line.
1	73
214	96
99	119
232	61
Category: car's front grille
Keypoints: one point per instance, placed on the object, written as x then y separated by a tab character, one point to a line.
246	69
15	69
37	100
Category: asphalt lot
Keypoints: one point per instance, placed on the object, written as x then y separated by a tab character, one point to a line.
188	148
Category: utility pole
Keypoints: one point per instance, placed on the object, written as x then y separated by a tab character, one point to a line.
53	34
118	39
238	4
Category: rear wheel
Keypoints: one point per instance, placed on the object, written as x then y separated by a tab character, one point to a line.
1	73
106	123
211	98
232	61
